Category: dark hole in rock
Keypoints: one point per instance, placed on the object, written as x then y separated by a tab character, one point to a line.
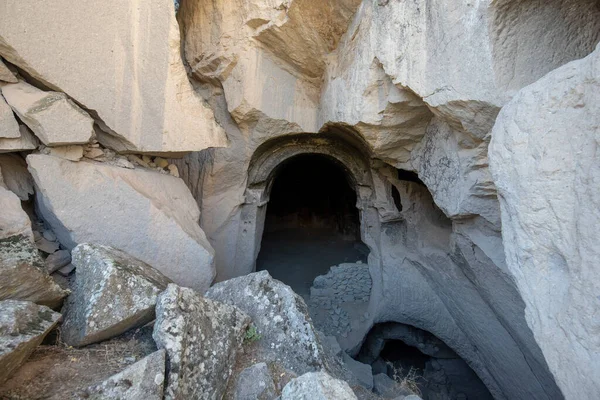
419	359
312	222
410	176
396	197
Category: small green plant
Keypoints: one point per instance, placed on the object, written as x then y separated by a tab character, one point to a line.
252	334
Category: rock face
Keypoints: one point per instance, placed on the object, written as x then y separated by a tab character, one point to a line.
255	383
6	75
280	316
23	326
544	160
113	293
202	338
317	386
143	380
54	118
13	220
15	176
139	92
148	215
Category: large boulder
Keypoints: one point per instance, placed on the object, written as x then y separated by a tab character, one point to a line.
317	386
143	380
202	338
280	316
149	215
113	293
9	127
52	116
23	326
22	273
544	158
133	79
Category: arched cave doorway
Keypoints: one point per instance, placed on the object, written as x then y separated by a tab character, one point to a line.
311	223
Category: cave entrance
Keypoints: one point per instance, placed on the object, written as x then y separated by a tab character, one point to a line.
420	361
311	223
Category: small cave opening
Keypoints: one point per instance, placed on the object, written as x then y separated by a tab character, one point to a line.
417	360
312	222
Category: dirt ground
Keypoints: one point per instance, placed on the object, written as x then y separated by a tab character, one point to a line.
59	372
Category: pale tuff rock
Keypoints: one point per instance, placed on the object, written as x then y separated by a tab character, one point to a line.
27	141
22	273
9	127
280	316
255	383
113	293
14	174
52	116
6	74
150	216
317	386
545	163
143	380
23	326
71	153
202	338
137	85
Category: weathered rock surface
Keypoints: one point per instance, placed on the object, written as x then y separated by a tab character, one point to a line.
13	220
52	116
26	141
13	170
137	85
280	316
6	74
545	163
255	383
386	387
317	386
9	127
23	326
143	380
113	293
202	338
148	215
22	273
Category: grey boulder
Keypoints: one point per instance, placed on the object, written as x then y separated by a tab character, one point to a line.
280	316
113	292
317	386
255	383
23	326
143	380
202	338
57	260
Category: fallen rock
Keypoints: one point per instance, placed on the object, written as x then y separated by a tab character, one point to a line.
255	383
57	260
25	142
13	171
317	386
362	372
113	292
280	316
202	338
22	273
66	270
6	74
160	114
149	215
23	326
544	159
9	127
143	380
46	245
71	153
52	116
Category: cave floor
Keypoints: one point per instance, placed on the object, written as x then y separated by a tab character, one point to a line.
297	256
